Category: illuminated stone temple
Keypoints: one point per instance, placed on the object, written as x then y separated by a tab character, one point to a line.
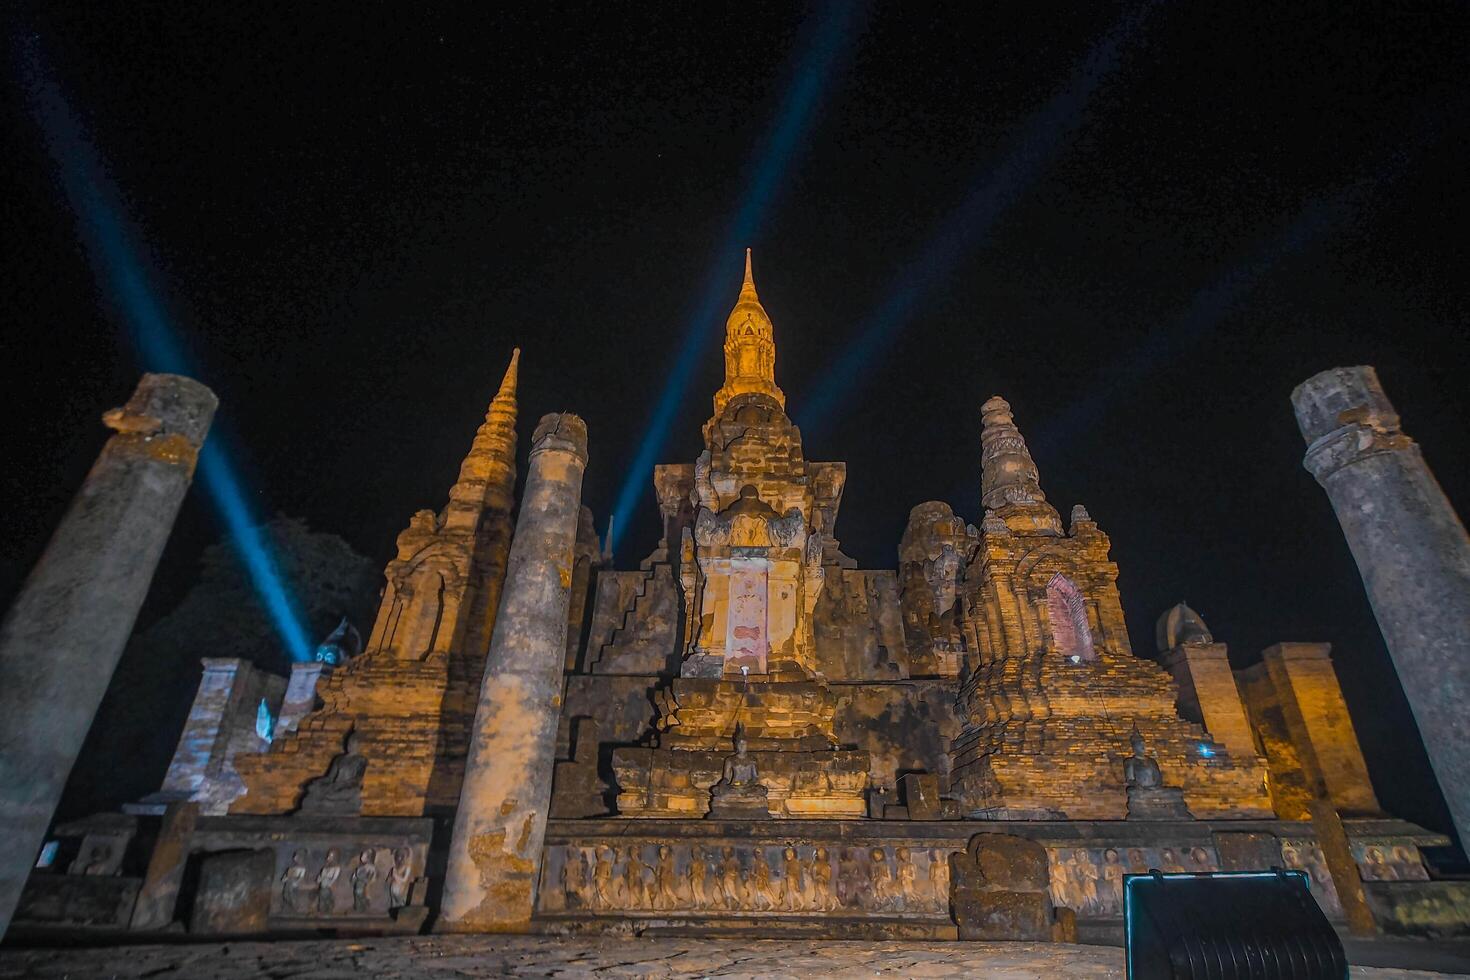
755	735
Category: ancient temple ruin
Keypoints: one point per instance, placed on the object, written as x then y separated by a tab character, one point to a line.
756	735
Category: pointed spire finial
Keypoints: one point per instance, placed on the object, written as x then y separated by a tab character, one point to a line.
749	279
512	373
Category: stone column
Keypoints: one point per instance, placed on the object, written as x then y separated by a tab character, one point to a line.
62	638
495	854
1412	552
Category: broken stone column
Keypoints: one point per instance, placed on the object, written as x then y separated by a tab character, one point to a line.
495	854
61	640
1412	552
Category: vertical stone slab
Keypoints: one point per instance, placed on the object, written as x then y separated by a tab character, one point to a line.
1338	853
495	853
205	732
300	699
1412	551
1318	720
62	638
1208	695
165	874
234	896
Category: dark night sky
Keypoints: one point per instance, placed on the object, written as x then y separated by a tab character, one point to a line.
353	215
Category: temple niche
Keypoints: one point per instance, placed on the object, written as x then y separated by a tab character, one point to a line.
757	736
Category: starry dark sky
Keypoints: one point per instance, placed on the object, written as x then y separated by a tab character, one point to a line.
353	212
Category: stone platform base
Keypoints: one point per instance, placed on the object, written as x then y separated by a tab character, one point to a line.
461	957
847	878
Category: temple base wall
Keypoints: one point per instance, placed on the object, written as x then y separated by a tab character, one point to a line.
890	879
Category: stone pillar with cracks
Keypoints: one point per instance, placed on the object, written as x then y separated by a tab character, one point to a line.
1412	552
63	636
495	853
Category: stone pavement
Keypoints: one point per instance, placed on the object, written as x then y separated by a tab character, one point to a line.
436	957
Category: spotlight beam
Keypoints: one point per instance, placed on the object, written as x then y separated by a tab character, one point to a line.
824	48
1318	219
119	265
1040	141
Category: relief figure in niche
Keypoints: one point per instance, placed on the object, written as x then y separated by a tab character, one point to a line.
635	887
848	874
760	881
908	888
602	879
293	884
363	876
400	878
791	880
574	879
821	879
1085	874
326	879
696	874
881	878
730	890
1112	878
938	881
665	893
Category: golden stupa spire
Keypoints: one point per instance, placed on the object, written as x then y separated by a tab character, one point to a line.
750	348
487	477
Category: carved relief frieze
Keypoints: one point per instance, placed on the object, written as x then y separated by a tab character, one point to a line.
646	877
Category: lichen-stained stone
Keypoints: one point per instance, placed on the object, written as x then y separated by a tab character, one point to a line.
495	851
61	639
1413	553
410	697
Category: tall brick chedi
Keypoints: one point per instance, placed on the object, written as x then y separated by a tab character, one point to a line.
1054	688
62	638
1413	554
495	853
411	696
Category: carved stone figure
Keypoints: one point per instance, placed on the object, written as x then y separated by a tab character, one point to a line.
602	875
880	879
1112	878
339	789
340	646
400	877
851	882
822	895
635	887
792	880
363	877
731	893
739	794
100	861
696	873
1148	797
760	893
938	876
574	879
908	890
326	880
293	883
1181	626
665	889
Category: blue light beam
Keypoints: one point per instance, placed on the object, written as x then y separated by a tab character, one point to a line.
771	162
1039	142
120	266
